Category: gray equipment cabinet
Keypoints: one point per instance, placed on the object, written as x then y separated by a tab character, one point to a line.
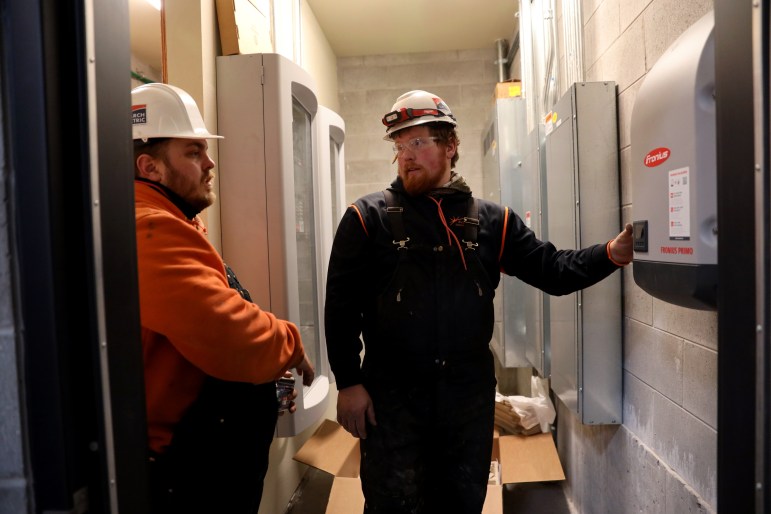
583	208
503	146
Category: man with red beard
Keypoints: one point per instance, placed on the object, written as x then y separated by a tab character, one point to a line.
413	272
211	356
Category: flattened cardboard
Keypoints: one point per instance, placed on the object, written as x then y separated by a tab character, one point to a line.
331	449
493	500
345	497
530	458
523	459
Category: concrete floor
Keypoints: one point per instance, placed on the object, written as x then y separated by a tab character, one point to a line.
542	497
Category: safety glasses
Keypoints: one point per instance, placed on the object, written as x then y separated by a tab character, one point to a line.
415	144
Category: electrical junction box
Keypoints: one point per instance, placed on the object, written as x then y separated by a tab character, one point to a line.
674	180
582	205
518	306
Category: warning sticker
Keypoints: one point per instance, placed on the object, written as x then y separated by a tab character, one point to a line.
679	204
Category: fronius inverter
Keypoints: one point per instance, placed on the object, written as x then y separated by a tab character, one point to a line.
674	188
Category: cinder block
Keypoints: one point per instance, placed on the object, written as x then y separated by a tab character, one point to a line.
681	499
369	172
639	408
688	446
629	10
624	61
690	324
636	478
588	7
700	382
626	100
638	304
665	20
601	31
655	357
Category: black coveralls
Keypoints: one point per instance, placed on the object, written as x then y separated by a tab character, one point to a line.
426	317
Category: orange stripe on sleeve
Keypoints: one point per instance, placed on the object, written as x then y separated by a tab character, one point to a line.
361	218
503	235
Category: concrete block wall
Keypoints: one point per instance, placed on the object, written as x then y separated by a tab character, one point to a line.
663	458
13	484
369	86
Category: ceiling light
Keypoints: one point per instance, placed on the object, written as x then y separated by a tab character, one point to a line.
155	3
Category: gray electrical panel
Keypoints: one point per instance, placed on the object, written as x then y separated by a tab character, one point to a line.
537	347
518	306
582	188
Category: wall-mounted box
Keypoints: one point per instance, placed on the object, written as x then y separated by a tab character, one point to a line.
503	147
582	183
674	173
537	346
269	197
508	89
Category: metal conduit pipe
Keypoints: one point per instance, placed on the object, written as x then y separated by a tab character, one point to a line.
501	47
513	49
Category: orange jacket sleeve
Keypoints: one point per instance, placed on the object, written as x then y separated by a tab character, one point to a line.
184	296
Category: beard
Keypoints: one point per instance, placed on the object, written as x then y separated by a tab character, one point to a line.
420	182
196	194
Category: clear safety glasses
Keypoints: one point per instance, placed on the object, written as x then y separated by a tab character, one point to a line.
415	144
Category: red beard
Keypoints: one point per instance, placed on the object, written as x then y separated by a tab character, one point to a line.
418	183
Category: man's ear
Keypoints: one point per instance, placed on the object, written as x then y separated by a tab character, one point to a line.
148	168
451	147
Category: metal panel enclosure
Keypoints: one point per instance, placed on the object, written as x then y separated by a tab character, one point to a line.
583	209
504	144
537	347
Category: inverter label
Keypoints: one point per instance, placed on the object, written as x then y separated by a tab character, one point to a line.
679	204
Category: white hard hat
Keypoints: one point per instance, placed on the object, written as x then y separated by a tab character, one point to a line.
161	110
416	108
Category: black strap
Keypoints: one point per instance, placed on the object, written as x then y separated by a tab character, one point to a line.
471	224
394	212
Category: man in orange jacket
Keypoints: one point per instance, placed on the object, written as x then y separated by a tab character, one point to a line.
211	356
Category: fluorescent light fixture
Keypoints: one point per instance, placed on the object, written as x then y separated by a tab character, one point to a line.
155	3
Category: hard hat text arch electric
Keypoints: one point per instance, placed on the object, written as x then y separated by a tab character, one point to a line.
162	110
416	108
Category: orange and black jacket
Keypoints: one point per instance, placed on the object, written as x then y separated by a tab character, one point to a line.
193	323
424	304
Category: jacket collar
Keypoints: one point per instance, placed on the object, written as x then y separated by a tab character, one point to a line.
189	211
456	185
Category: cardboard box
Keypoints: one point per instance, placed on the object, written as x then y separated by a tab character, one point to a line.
244	26
508	89
522	459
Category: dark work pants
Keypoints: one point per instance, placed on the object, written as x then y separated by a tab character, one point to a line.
219	454
430	451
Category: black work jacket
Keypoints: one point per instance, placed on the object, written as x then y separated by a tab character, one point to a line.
425	304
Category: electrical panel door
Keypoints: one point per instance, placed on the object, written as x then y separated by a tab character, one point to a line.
582	188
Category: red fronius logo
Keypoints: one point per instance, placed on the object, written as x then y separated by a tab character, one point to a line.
657	156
